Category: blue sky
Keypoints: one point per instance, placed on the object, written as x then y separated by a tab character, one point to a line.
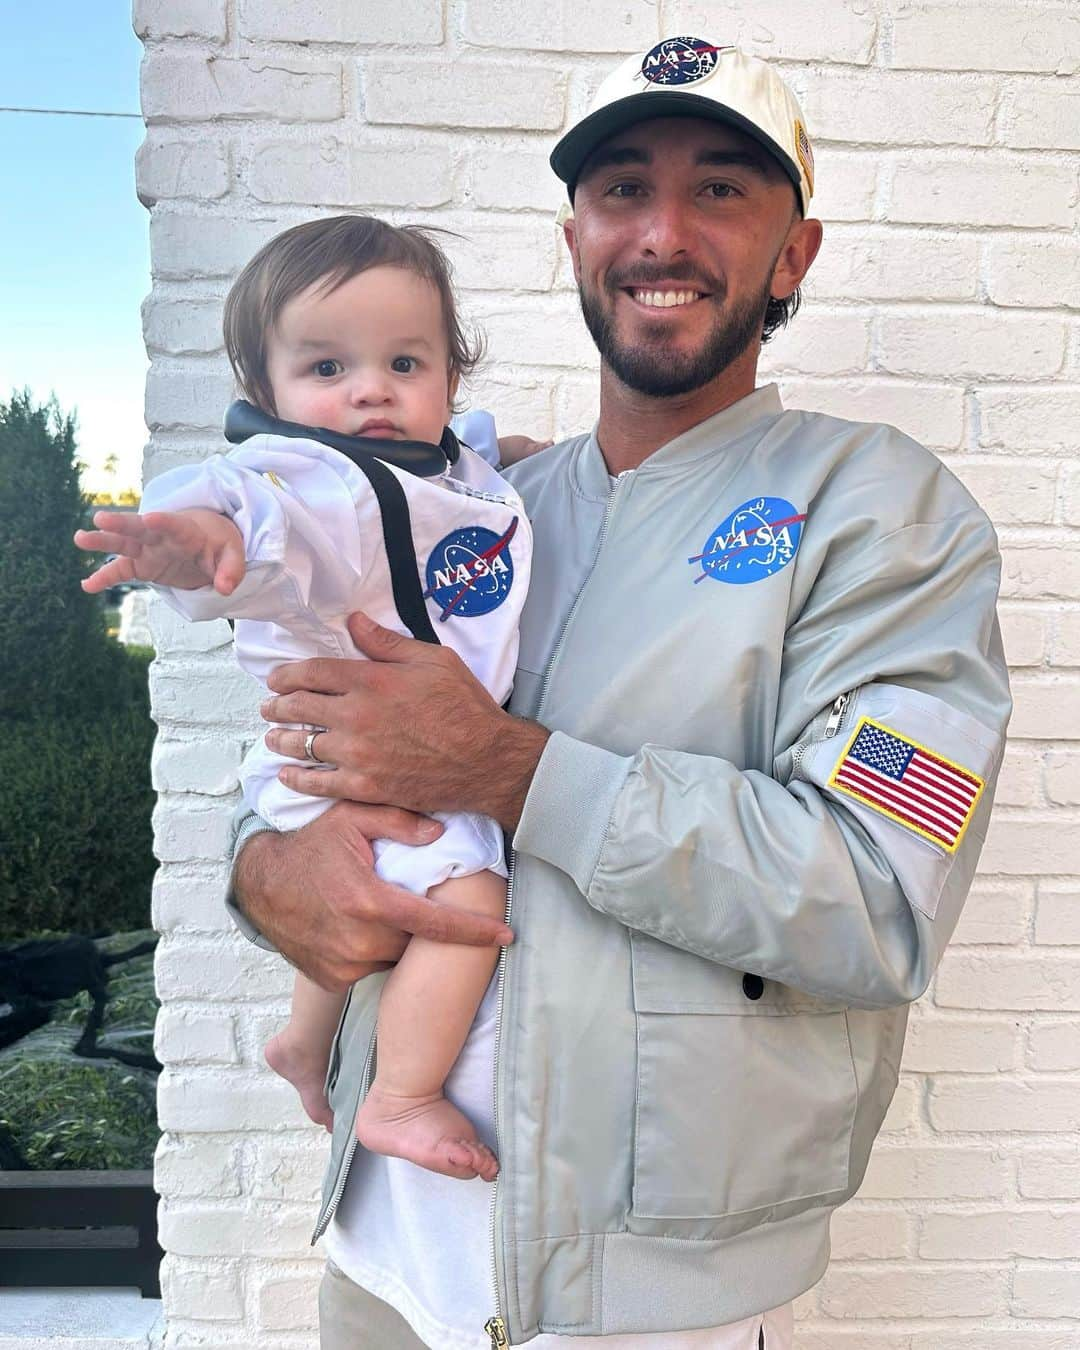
73	236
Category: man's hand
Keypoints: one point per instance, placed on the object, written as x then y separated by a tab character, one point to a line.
411	727
512	449
185	549
314	894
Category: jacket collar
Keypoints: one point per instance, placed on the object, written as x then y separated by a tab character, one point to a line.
706	439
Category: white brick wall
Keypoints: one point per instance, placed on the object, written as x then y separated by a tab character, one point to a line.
946	299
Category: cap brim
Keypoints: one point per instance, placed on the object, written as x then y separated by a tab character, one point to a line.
570	154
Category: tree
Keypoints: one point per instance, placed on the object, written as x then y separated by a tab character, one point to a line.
57	658
75	792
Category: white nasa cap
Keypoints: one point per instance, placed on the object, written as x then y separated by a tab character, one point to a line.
689	77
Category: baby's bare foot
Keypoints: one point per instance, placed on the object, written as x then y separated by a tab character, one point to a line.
428	1131
292	1060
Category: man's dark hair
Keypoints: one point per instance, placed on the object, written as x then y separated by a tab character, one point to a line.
330	251
779	313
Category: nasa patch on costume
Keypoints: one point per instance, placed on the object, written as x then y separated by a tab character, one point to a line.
755	541
470	571
913	770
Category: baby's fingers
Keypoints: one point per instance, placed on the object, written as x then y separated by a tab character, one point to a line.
109	574
128	523
181	531
231	566
105	541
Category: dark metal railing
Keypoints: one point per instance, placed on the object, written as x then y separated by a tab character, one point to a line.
79	1228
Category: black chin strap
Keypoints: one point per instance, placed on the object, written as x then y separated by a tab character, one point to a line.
243	420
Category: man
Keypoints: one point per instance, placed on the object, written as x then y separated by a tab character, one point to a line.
758	716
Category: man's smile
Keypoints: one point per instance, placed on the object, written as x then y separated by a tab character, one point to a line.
664	299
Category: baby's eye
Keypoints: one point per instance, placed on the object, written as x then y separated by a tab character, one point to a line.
328	368
403	365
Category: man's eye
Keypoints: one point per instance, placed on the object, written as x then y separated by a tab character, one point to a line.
624	189
722	190
328	368
403	365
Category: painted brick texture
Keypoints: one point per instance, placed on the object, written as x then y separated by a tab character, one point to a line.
946	300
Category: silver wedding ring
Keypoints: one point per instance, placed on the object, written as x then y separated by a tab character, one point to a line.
309	745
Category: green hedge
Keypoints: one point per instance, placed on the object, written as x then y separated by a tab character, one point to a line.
75	808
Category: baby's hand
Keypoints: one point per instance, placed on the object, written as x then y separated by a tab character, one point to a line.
185	549
513	448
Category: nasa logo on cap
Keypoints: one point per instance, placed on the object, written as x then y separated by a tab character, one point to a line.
757	540
680	60
470	572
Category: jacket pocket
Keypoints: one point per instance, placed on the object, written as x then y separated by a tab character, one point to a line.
746	1090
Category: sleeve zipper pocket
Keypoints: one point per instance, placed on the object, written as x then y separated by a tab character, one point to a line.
836	716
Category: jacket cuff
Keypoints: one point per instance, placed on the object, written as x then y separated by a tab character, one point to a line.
569	807
246	825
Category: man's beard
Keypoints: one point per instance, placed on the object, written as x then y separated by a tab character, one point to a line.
659	370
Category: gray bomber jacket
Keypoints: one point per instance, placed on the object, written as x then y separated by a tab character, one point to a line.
770	660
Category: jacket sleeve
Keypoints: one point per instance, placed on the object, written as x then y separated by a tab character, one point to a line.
785	873
294	568
245	826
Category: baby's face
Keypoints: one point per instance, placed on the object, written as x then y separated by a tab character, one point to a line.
367	359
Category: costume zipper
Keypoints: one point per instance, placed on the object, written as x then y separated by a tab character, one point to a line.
495	1327
836	717
343	1176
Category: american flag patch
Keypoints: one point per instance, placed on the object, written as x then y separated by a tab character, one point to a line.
805	153
908	783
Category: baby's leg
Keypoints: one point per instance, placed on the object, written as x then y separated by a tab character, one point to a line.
301	1051
425	1011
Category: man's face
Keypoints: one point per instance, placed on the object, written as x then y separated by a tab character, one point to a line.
679	238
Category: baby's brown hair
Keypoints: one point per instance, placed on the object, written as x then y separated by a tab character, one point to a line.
331	251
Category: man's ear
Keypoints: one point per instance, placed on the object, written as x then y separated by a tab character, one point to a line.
799	251
569	229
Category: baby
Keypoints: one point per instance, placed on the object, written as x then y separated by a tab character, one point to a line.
349	325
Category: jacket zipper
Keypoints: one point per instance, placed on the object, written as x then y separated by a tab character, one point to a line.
343	1175
836	717
496	1327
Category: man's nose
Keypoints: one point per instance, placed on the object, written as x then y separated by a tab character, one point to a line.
666	230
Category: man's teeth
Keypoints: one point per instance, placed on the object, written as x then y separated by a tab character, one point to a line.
665	299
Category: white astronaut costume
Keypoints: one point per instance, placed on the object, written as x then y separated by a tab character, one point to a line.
316	538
